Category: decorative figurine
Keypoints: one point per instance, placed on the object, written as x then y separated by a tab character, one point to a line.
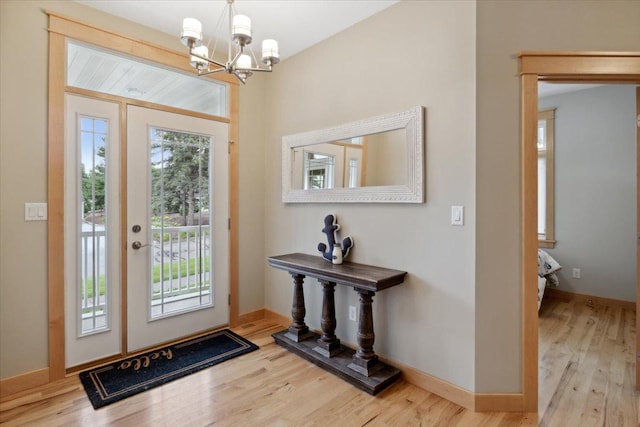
336	257
330	228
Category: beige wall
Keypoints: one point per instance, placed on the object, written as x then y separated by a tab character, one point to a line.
387	158
23	177
428	322
251	173
504	29
23	152
458	315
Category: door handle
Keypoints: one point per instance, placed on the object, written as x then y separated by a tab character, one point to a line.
137	245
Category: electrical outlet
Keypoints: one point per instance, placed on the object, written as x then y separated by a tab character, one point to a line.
352	313
576	273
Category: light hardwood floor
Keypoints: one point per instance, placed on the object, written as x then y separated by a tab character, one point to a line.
587	364
586	374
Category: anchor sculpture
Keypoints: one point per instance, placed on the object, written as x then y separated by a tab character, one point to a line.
330	228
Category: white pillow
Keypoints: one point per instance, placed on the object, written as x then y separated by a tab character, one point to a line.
546	263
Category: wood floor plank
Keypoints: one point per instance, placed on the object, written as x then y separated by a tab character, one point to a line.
600	349
587	373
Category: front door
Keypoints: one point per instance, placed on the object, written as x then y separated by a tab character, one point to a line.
171	218
177	226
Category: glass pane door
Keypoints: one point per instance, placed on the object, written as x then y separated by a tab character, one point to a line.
181	261
177	226
92	230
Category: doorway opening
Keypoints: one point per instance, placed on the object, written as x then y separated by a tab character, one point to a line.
588	67
587	310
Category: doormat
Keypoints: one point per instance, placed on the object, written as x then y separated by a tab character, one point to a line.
114	382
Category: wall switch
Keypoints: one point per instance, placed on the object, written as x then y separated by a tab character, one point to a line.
457	215
352	313
35	211
576	273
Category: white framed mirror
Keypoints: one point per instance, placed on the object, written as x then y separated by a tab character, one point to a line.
375	160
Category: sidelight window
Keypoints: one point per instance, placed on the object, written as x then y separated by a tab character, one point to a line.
94	280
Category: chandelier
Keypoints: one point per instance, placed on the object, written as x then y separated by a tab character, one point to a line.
239	63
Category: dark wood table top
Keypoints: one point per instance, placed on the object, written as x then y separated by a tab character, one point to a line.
360	276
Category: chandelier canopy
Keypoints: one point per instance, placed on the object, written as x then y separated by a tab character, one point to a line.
238	63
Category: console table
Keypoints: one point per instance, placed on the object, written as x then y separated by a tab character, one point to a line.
360	367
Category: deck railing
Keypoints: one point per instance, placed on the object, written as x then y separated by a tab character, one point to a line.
93	298
180	272
181	276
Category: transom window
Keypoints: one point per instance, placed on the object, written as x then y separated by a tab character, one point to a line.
99	70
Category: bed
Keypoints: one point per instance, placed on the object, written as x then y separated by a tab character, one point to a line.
547	267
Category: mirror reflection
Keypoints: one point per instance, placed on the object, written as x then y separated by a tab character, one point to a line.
370	160
374	160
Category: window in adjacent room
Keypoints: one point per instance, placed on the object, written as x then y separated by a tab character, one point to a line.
546	233
353	173
318	170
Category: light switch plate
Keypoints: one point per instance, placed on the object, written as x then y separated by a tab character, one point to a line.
35	211
457	215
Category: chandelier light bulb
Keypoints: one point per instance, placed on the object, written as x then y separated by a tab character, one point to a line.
191	30
200	63
270	51
243	62
241	29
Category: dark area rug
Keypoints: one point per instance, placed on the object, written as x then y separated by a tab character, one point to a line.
114	382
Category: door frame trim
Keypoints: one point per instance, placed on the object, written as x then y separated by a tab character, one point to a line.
60	28
573	67
638	231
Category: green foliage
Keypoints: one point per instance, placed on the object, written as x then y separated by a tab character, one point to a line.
182	268
90	287
180	174
171	270
93	184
